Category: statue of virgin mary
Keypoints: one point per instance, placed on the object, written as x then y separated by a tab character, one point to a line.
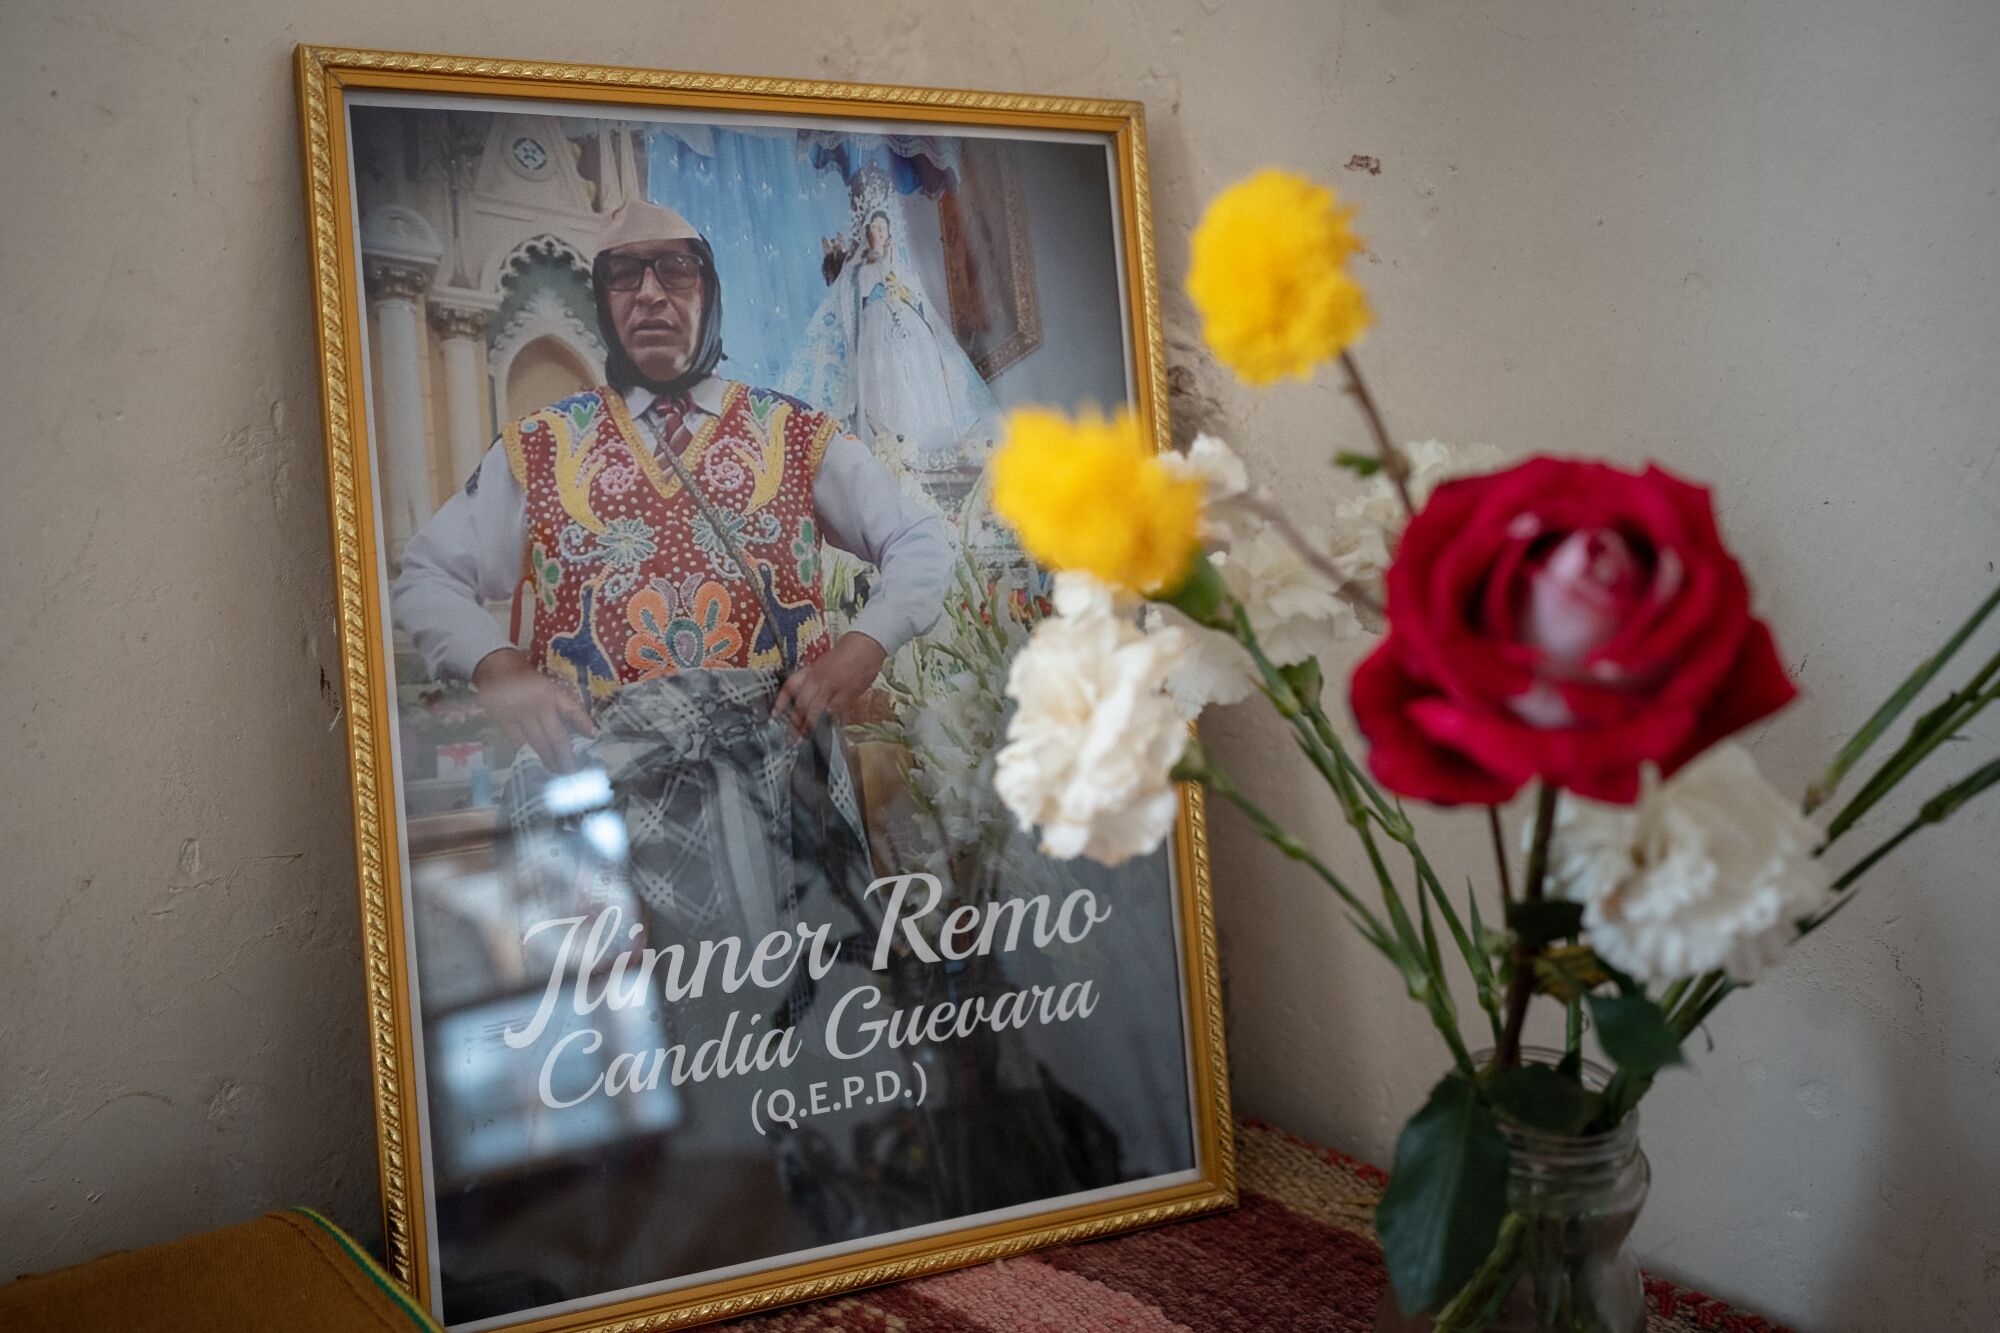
880	357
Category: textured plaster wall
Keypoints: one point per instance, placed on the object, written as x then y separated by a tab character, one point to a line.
1758	242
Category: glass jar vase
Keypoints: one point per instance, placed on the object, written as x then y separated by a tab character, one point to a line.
1561	1263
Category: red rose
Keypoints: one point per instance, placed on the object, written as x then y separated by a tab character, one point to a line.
1565	621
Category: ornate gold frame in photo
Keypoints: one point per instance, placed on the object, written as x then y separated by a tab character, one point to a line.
326	78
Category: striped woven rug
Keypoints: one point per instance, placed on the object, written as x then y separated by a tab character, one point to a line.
1298	1254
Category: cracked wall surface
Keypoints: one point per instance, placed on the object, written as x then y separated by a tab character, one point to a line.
1757	243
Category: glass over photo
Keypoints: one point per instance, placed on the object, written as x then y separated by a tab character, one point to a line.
725	950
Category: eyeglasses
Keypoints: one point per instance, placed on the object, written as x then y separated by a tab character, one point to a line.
677	270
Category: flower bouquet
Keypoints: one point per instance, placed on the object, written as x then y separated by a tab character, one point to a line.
1560	628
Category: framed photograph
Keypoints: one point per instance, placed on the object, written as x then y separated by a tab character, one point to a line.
706	972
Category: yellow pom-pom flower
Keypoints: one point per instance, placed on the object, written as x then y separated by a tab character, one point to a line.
1091	495
1269	276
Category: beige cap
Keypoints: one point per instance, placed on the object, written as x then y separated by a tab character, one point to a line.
640	221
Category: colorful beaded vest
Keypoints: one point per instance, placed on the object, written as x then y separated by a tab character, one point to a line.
628	577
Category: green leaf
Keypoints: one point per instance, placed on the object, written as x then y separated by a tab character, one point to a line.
1440	1215
1541	1098
1362	465
1545	919
1571	1066
1634	1033
1623	981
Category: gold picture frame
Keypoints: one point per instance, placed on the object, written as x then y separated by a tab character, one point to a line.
327	78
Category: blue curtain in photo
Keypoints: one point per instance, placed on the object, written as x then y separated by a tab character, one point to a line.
764	210
765	200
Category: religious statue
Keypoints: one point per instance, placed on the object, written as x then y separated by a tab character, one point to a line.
879	356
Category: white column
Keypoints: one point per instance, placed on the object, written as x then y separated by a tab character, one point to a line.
398	292
400	251
460	318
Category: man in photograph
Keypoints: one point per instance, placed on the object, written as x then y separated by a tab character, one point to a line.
662	534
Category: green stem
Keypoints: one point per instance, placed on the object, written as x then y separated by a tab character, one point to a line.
1500	855
1479	1300
1867	863
1417	971
1421	970
1538	850
1926	734
1521	988
1393	821
1397	826
1394	466
1871	731
1285	699
1484	982
1392	898
1329	763
1698	1013
1934	811
1219	782
1436	995
1696	1005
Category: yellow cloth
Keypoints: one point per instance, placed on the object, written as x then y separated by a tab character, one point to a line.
292	1271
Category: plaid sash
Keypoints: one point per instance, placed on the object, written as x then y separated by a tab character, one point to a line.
729	821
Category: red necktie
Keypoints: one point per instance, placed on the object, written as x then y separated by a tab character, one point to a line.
669	418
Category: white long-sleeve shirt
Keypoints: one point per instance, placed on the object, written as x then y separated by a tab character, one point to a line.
471	550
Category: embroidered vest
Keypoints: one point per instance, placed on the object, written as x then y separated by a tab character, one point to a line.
627	579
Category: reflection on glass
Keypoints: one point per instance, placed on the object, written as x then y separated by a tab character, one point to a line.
566	1089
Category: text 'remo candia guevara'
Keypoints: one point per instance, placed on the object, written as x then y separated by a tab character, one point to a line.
854	1027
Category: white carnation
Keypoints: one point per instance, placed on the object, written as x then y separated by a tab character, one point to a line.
1295	610
1081	597
1222	474
1365	525
1214	669
1210	460
1433	462
1091	748
1711	869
